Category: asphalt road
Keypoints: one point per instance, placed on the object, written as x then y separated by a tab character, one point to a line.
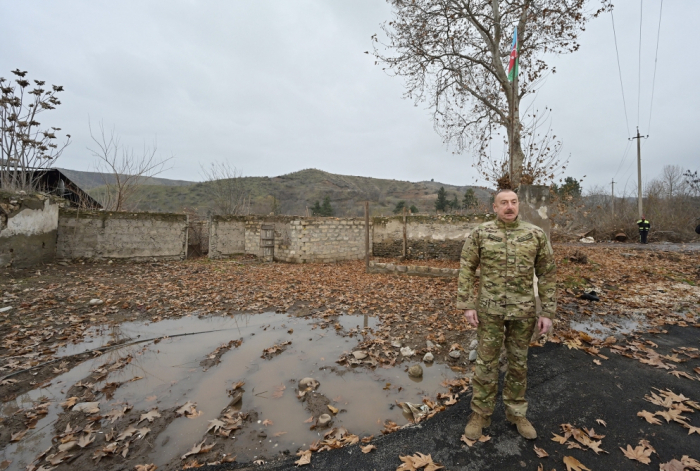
565	386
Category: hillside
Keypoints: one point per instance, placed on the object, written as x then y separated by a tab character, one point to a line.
295	192
90	180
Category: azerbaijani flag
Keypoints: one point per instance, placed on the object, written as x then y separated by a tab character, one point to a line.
513	63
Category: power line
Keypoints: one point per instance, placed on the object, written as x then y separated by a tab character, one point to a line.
656	56
639	61
624	157
619	69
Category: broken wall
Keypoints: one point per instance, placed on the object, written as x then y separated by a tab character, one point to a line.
28	227
428	237
120	235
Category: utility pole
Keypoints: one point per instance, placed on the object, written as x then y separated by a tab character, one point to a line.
612	200
639	171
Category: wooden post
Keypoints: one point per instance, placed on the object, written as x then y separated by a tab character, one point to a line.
405	241
367	236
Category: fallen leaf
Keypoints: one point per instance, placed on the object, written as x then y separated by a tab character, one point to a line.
559	438
70	402
15	437
467	441
267	422
215	424
67	446
597	362
601	422
150	416
673	465
678	374
309	420
692	429
127	433
85	440
87	407
367	448
335	410
649	417
572	464
638	453
304	458
145	467
200	448
689	462
540	452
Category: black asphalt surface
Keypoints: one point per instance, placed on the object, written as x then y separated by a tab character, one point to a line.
565	386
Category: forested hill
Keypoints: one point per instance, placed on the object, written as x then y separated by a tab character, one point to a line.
294	193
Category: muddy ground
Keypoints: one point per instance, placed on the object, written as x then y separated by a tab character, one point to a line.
109	333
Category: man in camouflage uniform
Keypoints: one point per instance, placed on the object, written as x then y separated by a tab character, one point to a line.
509	251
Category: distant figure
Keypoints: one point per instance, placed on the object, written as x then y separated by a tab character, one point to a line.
644	226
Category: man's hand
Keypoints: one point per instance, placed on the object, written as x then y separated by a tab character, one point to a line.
471	317
544	324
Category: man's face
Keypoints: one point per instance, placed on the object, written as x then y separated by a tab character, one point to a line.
506	206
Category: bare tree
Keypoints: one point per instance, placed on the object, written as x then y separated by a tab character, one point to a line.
673	180
227	188
542	161
24	146
693	181
123	169
454	54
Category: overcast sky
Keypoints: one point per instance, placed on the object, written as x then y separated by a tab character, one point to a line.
278	86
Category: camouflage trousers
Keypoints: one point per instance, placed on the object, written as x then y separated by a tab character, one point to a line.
490	333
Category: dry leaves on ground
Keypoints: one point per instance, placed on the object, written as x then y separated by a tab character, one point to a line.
200	448
572	464
541	453
304	458
367	448
418	461
640	453
583	438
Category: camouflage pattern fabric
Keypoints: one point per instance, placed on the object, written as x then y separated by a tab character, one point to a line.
490	334
509	255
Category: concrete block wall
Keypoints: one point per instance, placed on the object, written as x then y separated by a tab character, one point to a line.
28	227
429	237
226	236
135	236
297	239
325	240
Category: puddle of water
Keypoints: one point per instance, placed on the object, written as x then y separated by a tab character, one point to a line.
615	326
39	438
172	373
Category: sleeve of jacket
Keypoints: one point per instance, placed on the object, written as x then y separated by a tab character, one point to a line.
469	261
546	272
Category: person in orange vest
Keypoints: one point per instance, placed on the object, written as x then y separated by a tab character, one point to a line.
644	226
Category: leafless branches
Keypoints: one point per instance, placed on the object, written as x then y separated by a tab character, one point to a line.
542	161
123	169
453	55
24	146
228	191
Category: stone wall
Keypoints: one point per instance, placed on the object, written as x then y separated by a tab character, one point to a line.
413	270
118	235
297	239
429	237
28	227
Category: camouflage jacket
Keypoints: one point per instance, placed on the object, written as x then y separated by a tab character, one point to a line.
509	255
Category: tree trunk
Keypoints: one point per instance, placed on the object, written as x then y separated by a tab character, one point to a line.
516	156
